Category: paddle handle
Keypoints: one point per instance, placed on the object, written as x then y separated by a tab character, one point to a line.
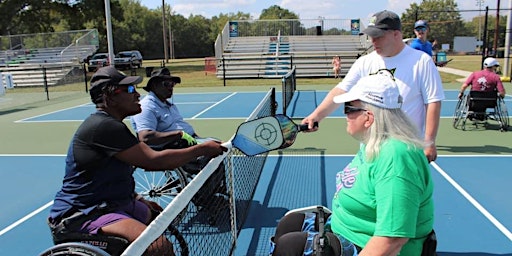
304	127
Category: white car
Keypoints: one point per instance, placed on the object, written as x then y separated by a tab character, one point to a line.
98	60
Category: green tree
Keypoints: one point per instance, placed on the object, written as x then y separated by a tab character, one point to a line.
442	15
275	12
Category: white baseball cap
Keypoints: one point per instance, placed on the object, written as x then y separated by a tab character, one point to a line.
491	62
379	89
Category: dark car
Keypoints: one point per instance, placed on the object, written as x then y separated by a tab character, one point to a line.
98	60
128	59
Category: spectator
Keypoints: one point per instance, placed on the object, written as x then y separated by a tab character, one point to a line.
421	30
383	202
485	80
97	194
336	66
415	73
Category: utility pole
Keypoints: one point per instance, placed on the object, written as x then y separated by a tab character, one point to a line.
110	40
480	3
496	31
506	64
166	55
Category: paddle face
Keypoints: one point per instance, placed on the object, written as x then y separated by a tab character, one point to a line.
258	136
266	134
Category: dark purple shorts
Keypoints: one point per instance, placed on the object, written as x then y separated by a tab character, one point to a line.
134	210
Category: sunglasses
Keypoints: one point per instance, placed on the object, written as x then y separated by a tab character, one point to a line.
421	29
351	109
129	89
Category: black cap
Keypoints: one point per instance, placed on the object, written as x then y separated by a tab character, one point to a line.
109	75
382	21
161	74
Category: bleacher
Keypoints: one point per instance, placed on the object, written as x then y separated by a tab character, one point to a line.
30	65
274	56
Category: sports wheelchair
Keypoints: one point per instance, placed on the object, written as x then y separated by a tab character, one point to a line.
479	107
82	244
325	243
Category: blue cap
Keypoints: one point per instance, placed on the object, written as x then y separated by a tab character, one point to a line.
420	23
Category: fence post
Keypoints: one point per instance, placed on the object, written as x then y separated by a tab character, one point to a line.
85	78
45	82
224	70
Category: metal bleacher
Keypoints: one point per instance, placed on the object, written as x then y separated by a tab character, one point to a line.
274	55
31	64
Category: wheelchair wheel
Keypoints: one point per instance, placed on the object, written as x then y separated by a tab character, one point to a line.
178	241
461	110
161	186
502	112
73	248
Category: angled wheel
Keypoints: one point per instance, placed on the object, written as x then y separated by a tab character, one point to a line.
178	241
78	249
502	112
460	113
161	186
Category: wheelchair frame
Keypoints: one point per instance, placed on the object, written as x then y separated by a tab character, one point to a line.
81	244
463	112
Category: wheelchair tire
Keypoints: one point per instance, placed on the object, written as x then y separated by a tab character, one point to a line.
74	248
178	241
502	112
161	186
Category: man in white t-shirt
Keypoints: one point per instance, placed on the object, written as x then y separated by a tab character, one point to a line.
415	73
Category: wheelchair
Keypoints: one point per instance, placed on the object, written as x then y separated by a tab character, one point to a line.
82	244
479	107
326	243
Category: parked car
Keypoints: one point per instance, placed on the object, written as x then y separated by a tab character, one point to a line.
128	59
98	60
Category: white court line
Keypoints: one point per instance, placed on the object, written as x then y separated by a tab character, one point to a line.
473	201
210	107
28	216
23	120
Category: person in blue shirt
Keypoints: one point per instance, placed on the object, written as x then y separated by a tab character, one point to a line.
421	30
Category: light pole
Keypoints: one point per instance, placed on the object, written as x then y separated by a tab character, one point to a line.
166	55
480	3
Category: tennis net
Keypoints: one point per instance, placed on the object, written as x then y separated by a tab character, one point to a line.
289	86
208	214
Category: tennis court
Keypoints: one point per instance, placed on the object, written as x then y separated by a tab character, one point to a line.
471	175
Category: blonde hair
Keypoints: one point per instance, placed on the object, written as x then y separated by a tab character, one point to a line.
389	124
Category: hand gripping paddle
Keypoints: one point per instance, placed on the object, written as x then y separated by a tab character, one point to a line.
267	133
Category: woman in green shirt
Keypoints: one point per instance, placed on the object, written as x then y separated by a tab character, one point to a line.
383	202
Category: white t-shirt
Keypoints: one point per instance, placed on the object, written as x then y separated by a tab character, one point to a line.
415	74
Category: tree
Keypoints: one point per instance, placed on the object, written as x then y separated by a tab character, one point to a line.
442	16
275	12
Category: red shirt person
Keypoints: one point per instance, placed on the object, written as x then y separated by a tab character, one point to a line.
485	80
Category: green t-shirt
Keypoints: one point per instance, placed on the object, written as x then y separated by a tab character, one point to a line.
390	196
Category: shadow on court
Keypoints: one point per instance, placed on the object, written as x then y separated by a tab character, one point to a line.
482	149
470	254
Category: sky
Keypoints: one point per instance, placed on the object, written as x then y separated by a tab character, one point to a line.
307	9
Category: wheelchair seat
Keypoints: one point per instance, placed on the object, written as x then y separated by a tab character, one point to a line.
479	102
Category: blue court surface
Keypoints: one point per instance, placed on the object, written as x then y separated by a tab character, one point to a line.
237	105
472	205
472	216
